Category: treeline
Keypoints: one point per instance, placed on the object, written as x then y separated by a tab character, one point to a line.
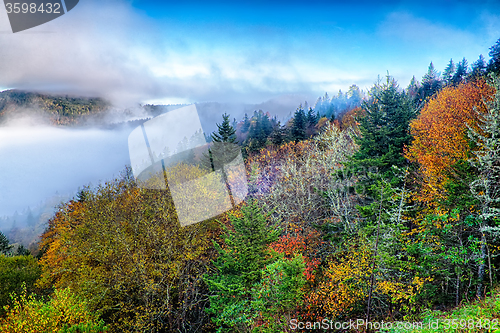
260	130
62	110
386	213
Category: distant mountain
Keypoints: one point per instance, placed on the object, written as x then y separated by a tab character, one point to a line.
95	111
59	110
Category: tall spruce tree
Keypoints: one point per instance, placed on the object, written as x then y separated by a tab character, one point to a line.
239	267
461	72
384	131
494	63
448	72
486	188
4	244
478	67
299	124
431	83
224	145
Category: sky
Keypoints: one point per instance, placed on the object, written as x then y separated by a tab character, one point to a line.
240	51
263	53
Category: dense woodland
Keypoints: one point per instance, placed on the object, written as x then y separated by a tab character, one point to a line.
381	205
61	110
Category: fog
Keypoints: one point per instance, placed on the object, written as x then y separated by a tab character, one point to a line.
108	49
38	161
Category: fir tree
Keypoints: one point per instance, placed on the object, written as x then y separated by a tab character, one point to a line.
478	67
279	134
4	244
239	267
430	83
461	73
355	96
486	188
385	131
449	71
246	124
494	63
299	125
413	91
225	132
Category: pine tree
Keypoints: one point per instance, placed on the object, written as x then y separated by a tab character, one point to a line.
246	124
224	146
430	83
449	71
239	267
4	244
384	131
413	91
225	132
478	67
494	63
299	125
487	187
461	73
355	96
279	134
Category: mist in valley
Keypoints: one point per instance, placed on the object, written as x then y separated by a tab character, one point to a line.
42	165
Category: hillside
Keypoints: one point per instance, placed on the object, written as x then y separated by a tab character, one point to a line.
60	110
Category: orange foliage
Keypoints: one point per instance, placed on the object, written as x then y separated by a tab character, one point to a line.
440	133
348	119
295	243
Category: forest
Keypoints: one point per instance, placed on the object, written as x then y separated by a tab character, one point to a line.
376	206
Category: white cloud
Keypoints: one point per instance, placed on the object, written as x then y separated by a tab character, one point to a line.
107	49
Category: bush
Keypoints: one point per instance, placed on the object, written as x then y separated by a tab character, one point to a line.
63	313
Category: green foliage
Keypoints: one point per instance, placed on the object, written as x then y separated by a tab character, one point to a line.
63	313
461	73
430	83
494	64
225	132
123	250
238	268
224	147
480	316
260	128
384	134
298	131
60	109
5	247
15	271
279	292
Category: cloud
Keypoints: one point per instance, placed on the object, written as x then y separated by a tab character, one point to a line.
37	161
421	31
108	49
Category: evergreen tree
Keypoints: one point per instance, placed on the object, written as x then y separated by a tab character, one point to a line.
449	71
246	124
384	131
430	83
225	131
4	244
478	67
413	91
494	63
224	145
299	125
355	96
239	267
461	73
486	188
279	134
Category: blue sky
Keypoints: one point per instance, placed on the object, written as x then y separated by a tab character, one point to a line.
250	51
